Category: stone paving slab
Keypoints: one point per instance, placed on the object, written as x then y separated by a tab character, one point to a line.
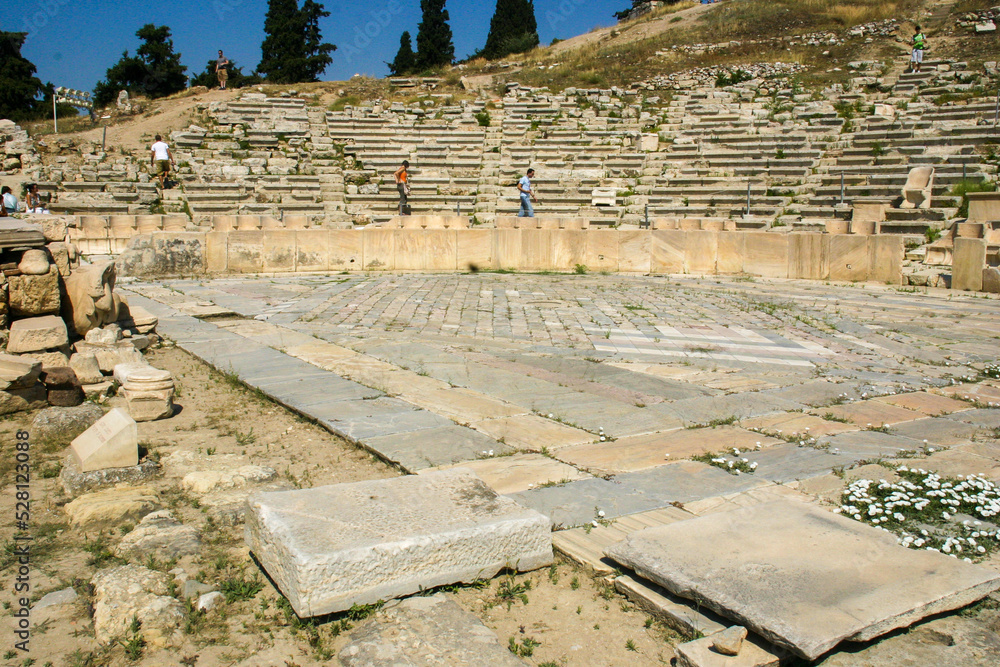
786	463
870	413
700	653
332	547
520	472
816	393
360	420
937	432
866	445
673	610
307	391
984	458
573	504
418	450
463	404
532	433
987	418
925	402
795	423
802	577
741	406
425	631
983	393
686	481
646	451
594	413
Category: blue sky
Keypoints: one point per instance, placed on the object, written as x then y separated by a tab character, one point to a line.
73	43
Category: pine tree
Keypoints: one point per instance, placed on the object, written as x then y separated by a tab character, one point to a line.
19	87
293	50
154	71
512	30
406	60
434	39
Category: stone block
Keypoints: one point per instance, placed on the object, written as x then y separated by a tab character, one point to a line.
885	259
379	249
346	248
766	254
34	295
34	262
312	249
702	251
426	250
245	252
802	577
508	249
991	280
732	254
18	400
984	207
668	251
536	249
569	249
425	631
150	405
112	507
806	259
217	251
35	334
474	249
110	443
85	365
702	653
601	253
331	547
50	358
18	372
76	483
634	251
848	256
279	251
967	265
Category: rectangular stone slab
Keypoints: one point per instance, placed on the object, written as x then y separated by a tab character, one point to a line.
800	576
331	547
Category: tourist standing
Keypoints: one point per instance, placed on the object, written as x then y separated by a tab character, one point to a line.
527	195
919	44
402	177
222	70
161	159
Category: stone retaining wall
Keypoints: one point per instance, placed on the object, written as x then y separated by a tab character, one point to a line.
811	256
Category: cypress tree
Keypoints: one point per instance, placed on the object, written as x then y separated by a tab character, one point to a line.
154	71
406	60
293	50
434	38
512	30
19	87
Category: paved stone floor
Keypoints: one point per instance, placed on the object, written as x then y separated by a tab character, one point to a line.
590	394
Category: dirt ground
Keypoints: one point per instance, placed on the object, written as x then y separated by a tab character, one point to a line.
560	615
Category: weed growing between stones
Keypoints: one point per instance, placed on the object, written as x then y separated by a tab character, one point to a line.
238	589
734	464
133	643
926	511
509	591
525	649
991	371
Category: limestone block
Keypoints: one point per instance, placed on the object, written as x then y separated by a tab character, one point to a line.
635	254
536	249
161	535
346	249
18	372
54	227
34	262
604	197
868	211
991	280
766	254
848	256
984	206
19	400
702	653
245	251
127	591
379	249
426	250
35	334
806	259
136	319
732	254
312	251
569	249
241	477
150	405
112	442
113	507
601	253
216	251
967	265
507	245
425	631
61	257
34	295
75	483
800	576
886	253
86	367
330	547
474	249
91	301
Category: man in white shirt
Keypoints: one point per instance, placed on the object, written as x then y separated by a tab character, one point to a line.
161	159
527	195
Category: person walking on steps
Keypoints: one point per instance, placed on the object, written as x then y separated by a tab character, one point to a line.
161	159
919	44
402	177
222	70
527	195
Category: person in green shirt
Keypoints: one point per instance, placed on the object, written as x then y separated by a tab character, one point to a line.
919	44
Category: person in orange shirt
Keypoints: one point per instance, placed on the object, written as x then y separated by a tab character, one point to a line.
402	177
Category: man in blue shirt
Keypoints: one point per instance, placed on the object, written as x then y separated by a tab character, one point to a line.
527	195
